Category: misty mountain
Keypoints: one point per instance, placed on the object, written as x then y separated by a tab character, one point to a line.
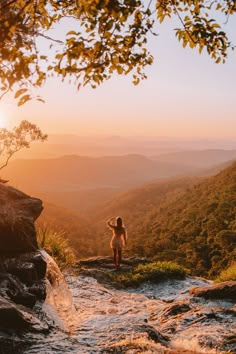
68	144
199	158
76	181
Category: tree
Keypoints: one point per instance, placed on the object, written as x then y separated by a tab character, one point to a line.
107	36
20	137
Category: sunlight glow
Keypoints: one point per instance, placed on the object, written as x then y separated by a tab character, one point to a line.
3	120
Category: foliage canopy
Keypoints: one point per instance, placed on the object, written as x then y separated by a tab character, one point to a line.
106	36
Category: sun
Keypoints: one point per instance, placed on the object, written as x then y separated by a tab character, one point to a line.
3	120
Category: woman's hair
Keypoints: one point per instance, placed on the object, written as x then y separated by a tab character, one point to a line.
119	222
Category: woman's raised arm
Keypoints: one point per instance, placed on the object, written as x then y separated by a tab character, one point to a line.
109	224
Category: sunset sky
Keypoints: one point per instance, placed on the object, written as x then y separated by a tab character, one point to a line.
185	95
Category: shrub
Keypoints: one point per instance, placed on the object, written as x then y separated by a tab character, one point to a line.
227	274
57	245
155	272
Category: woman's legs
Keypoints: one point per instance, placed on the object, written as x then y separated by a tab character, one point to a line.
117	256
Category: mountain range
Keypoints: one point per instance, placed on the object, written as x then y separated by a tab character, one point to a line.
80	183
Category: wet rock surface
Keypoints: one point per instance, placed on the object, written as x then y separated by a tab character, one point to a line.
22	278
33	294
22	266
226	290
22	289
101	267
29	310
153	318
11	316
108	263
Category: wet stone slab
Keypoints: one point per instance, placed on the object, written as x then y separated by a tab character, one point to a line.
161	318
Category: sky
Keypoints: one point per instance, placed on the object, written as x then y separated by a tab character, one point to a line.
186	95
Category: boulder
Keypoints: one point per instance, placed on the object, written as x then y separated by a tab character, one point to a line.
22	278
172	310
225	290
153	334
18	212
28	276
11	316
28	267
12	288
108	262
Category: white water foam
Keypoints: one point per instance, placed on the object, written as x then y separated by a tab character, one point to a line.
192	344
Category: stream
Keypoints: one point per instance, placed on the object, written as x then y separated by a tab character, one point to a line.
153	318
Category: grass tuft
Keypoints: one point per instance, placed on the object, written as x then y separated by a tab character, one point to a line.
227	274
57	245
155	272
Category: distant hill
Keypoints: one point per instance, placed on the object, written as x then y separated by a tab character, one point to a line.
79	182
216	168
105	145
198	158
194	225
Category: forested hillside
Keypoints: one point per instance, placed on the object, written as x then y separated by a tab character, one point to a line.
196	228
135	207
78	230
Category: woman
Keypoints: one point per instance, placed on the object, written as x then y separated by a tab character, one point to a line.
119	239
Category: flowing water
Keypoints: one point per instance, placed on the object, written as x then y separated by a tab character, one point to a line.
159	318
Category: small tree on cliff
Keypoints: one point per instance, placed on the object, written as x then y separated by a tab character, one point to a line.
106	36
18	138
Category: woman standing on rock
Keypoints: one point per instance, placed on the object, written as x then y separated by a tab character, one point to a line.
119	239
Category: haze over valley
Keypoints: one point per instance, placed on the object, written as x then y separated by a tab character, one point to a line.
84	183
59	145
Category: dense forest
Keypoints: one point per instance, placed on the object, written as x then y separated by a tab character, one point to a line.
198	228
190	221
